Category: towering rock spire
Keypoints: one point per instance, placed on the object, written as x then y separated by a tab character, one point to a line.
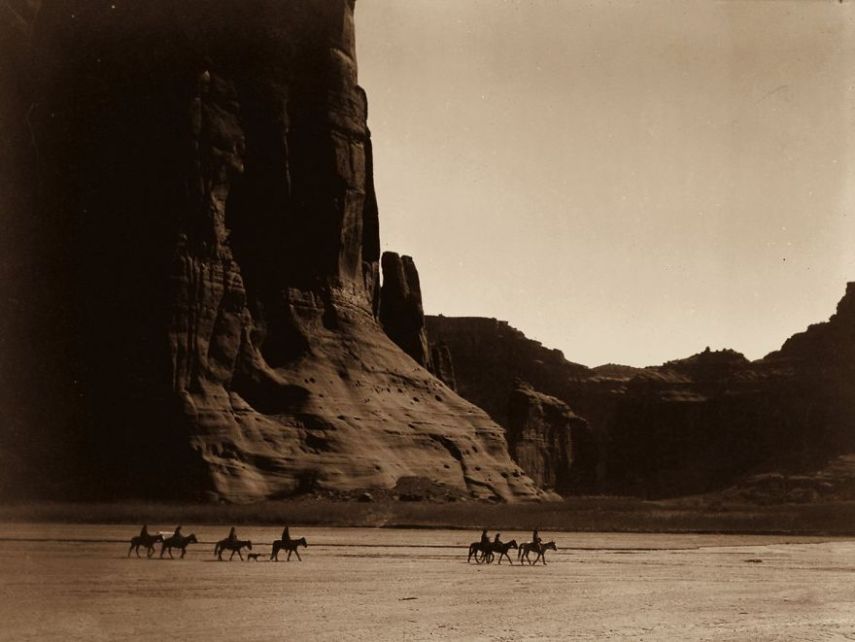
401	312
207	201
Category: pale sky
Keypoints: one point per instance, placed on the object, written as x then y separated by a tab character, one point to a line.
627	181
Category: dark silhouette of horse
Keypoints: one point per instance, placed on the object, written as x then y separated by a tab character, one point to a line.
177	541
289	545
502	549
540	549
485	553
233	545
479	548
144	540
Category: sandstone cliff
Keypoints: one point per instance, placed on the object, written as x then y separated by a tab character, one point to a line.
690	425
207	217
401	312
553	445
489	357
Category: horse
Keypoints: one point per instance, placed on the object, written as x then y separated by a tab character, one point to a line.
233	545
474	549
540	549
144	540
177	541
502	549
289	545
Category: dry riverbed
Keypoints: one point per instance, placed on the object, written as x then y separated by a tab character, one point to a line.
390	584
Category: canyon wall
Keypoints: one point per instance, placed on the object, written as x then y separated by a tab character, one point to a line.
554	446
687	426
209	252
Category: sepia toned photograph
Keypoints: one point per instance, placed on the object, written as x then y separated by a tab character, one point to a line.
480	320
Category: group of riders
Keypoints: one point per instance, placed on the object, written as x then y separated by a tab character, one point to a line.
229	543
482	551
485	550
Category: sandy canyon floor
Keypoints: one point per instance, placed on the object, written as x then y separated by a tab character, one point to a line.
74	582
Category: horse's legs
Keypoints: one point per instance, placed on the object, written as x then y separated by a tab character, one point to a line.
150	551
240	555
183	551
232	555
130	549
170	553
288	559
300	559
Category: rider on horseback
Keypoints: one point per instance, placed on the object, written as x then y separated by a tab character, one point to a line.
535	538
286	536
485	539
232	535
177	532
144	531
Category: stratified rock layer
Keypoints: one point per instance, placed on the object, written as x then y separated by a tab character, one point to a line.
690	425
211	230
490	357
553	445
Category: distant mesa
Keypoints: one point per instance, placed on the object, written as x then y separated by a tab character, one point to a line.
687	426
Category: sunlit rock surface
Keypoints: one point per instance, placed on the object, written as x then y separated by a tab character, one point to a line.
207	217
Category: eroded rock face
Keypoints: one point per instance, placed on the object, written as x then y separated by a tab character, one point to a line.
443	365
490	357
401	312
551	444
206	178
687	426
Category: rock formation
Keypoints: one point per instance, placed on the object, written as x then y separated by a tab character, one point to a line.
553	445
690	425
207	220
401	312
443	365
490	357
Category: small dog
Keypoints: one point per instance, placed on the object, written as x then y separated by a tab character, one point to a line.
252	556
